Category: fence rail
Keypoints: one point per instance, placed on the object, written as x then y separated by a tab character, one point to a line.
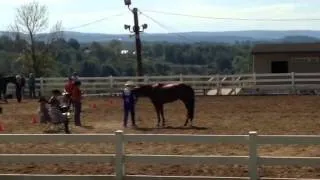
107	85
119	159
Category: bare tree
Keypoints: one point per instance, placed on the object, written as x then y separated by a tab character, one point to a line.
31	20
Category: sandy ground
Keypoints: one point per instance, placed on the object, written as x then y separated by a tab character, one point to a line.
214	115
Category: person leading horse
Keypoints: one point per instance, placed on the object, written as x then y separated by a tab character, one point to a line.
129	101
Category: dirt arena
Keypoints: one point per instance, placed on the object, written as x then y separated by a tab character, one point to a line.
214	115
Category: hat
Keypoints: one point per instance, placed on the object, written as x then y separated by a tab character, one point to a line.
129	83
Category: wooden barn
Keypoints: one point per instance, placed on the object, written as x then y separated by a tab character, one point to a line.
286	58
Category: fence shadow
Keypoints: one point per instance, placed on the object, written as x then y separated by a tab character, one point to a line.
52	131
171	127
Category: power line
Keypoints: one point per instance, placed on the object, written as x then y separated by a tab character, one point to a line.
96	21
235	19
164	26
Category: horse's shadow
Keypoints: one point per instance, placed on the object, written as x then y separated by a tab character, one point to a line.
173	128
87	127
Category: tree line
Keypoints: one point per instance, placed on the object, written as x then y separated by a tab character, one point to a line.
24	50
114	58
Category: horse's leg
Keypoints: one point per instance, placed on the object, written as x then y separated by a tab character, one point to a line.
156	106
158	115
162	115
4	95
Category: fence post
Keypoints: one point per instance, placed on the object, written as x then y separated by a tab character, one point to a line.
119	161
218	84
181	78
253	157
254	78
293	84
146	79
111	81
41	86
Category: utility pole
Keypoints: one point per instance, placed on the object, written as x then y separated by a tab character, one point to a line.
136	31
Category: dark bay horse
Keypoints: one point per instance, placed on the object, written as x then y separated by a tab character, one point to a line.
161	94
4	81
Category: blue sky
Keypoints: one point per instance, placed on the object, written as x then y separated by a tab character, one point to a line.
77	12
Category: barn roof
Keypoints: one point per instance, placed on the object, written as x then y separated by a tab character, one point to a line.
286	48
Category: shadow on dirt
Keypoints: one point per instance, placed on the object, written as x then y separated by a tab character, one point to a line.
173	128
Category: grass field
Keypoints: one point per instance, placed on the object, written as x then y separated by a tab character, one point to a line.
214	115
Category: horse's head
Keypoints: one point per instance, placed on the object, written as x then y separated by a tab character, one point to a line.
142	90
10	79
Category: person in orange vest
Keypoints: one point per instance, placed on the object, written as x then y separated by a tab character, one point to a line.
68	91
69	85
20	83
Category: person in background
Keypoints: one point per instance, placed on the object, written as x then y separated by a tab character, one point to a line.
19	87
76	97
75	77
32	86
129	101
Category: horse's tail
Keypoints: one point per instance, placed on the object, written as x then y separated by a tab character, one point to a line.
189	100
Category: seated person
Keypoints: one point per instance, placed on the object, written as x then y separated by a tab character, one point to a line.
55	112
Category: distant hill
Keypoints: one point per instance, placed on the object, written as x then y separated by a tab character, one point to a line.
212	37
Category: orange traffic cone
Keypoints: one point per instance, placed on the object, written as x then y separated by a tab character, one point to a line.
34	120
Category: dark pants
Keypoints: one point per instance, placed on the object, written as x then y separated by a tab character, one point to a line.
32	92
19	94
66	126
77	112
127	110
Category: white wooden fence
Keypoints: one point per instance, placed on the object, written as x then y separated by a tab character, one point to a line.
106	85
119	159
